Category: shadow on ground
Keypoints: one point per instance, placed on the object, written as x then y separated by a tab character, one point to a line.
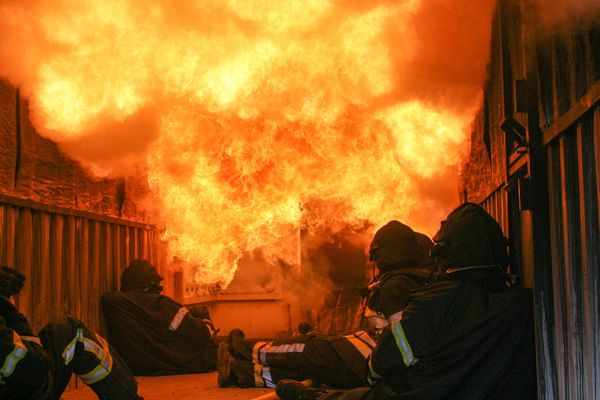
180	387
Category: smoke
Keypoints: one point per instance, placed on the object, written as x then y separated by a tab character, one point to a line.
245	111
562	13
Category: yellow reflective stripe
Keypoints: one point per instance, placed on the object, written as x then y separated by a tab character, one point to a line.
178	318
69	351
101	351
258	379
103	355
374	374
98	373
403	345
32	339
93	347
11	360
361	346
362	341
256	352
366	338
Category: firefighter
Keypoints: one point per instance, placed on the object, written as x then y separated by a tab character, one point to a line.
334	360
155	334
401	260
337	361
468	335
40	368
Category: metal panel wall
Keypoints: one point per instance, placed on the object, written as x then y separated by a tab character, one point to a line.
553	215
573	166
496	204
69	259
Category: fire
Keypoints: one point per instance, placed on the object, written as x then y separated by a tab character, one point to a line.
246	112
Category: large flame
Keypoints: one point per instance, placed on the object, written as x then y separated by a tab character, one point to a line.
248	113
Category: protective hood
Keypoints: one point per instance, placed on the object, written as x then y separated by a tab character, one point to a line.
470	237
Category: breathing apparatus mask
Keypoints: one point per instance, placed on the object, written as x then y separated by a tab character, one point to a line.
141	275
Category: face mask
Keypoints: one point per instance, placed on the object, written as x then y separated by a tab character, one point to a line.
154	288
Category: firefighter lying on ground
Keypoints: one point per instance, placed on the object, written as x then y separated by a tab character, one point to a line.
337	361
468	335
39	368
154	334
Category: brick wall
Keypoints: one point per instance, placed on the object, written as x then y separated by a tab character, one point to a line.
476	180
34	168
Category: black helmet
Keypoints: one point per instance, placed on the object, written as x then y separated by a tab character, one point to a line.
11	281
395	246
140	274
470	237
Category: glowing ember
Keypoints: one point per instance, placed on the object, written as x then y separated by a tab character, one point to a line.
245	112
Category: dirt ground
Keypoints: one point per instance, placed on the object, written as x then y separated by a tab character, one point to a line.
180	387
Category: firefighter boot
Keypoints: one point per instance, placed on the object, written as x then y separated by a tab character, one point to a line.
239	347
224	363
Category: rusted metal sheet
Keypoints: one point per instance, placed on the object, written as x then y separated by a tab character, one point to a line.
69	260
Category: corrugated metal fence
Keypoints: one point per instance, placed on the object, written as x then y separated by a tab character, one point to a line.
496	204
69	257
573	172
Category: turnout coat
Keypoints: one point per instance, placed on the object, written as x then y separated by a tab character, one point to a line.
467	336
24	365
39	368
156	335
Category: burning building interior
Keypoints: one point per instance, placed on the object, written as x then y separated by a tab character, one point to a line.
250	151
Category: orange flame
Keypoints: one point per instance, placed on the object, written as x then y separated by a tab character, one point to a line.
247	111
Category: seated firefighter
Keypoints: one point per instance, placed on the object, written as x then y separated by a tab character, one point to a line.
155	334
468	335
402	264
337	361
40	367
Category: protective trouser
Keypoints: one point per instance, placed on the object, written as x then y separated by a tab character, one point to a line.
276	360
73	348
24	366
337	361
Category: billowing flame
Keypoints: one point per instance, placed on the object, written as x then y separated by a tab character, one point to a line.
247	113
